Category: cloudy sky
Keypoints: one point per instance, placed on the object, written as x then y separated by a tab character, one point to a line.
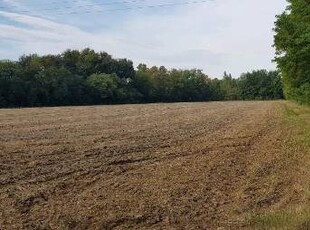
214	35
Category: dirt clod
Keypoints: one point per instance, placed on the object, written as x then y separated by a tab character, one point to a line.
157	166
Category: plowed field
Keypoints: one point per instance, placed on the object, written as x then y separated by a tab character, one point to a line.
157	166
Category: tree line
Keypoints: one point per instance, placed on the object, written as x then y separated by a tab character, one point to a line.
292	43
87	77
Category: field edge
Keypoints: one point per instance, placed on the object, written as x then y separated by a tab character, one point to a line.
296	122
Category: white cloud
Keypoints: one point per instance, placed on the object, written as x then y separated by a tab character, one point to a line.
47	35
232	35
37	22
235	35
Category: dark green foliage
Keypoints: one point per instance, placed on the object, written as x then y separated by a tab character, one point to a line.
63	79
105	88
86	77
190	85
7	73
229	88
88	62
58	86
160	85
292	42
255	85
260	85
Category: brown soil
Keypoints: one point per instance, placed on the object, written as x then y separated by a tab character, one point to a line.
158	166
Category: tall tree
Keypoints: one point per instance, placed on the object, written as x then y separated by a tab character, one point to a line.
87	77
260	85
105	88
292	42
229	87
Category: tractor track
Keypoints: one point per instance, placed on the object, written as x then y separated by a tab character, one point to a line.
158	166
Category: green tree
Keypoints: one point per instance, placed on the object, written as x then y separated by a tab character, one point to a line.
229	87
58	86
144	85
105	88
260	85
189	85
292	42
7	73
87	77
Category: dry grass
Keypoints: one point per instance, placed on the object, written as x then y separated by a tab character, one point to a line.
171	166
297	143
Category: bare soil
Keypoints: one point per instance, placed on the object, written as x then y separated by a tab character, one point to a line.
157	166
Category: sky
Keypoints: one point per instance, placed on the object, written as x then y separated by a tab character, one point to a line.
213	35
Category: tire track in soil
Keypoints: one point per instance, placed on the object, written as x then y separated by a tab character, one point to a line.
179	166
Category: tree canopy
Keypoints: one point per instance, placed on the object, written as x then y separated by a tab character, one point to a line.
86	77
292	43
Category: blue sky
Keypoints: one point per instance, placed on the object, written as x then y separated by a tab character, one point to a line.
216	36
